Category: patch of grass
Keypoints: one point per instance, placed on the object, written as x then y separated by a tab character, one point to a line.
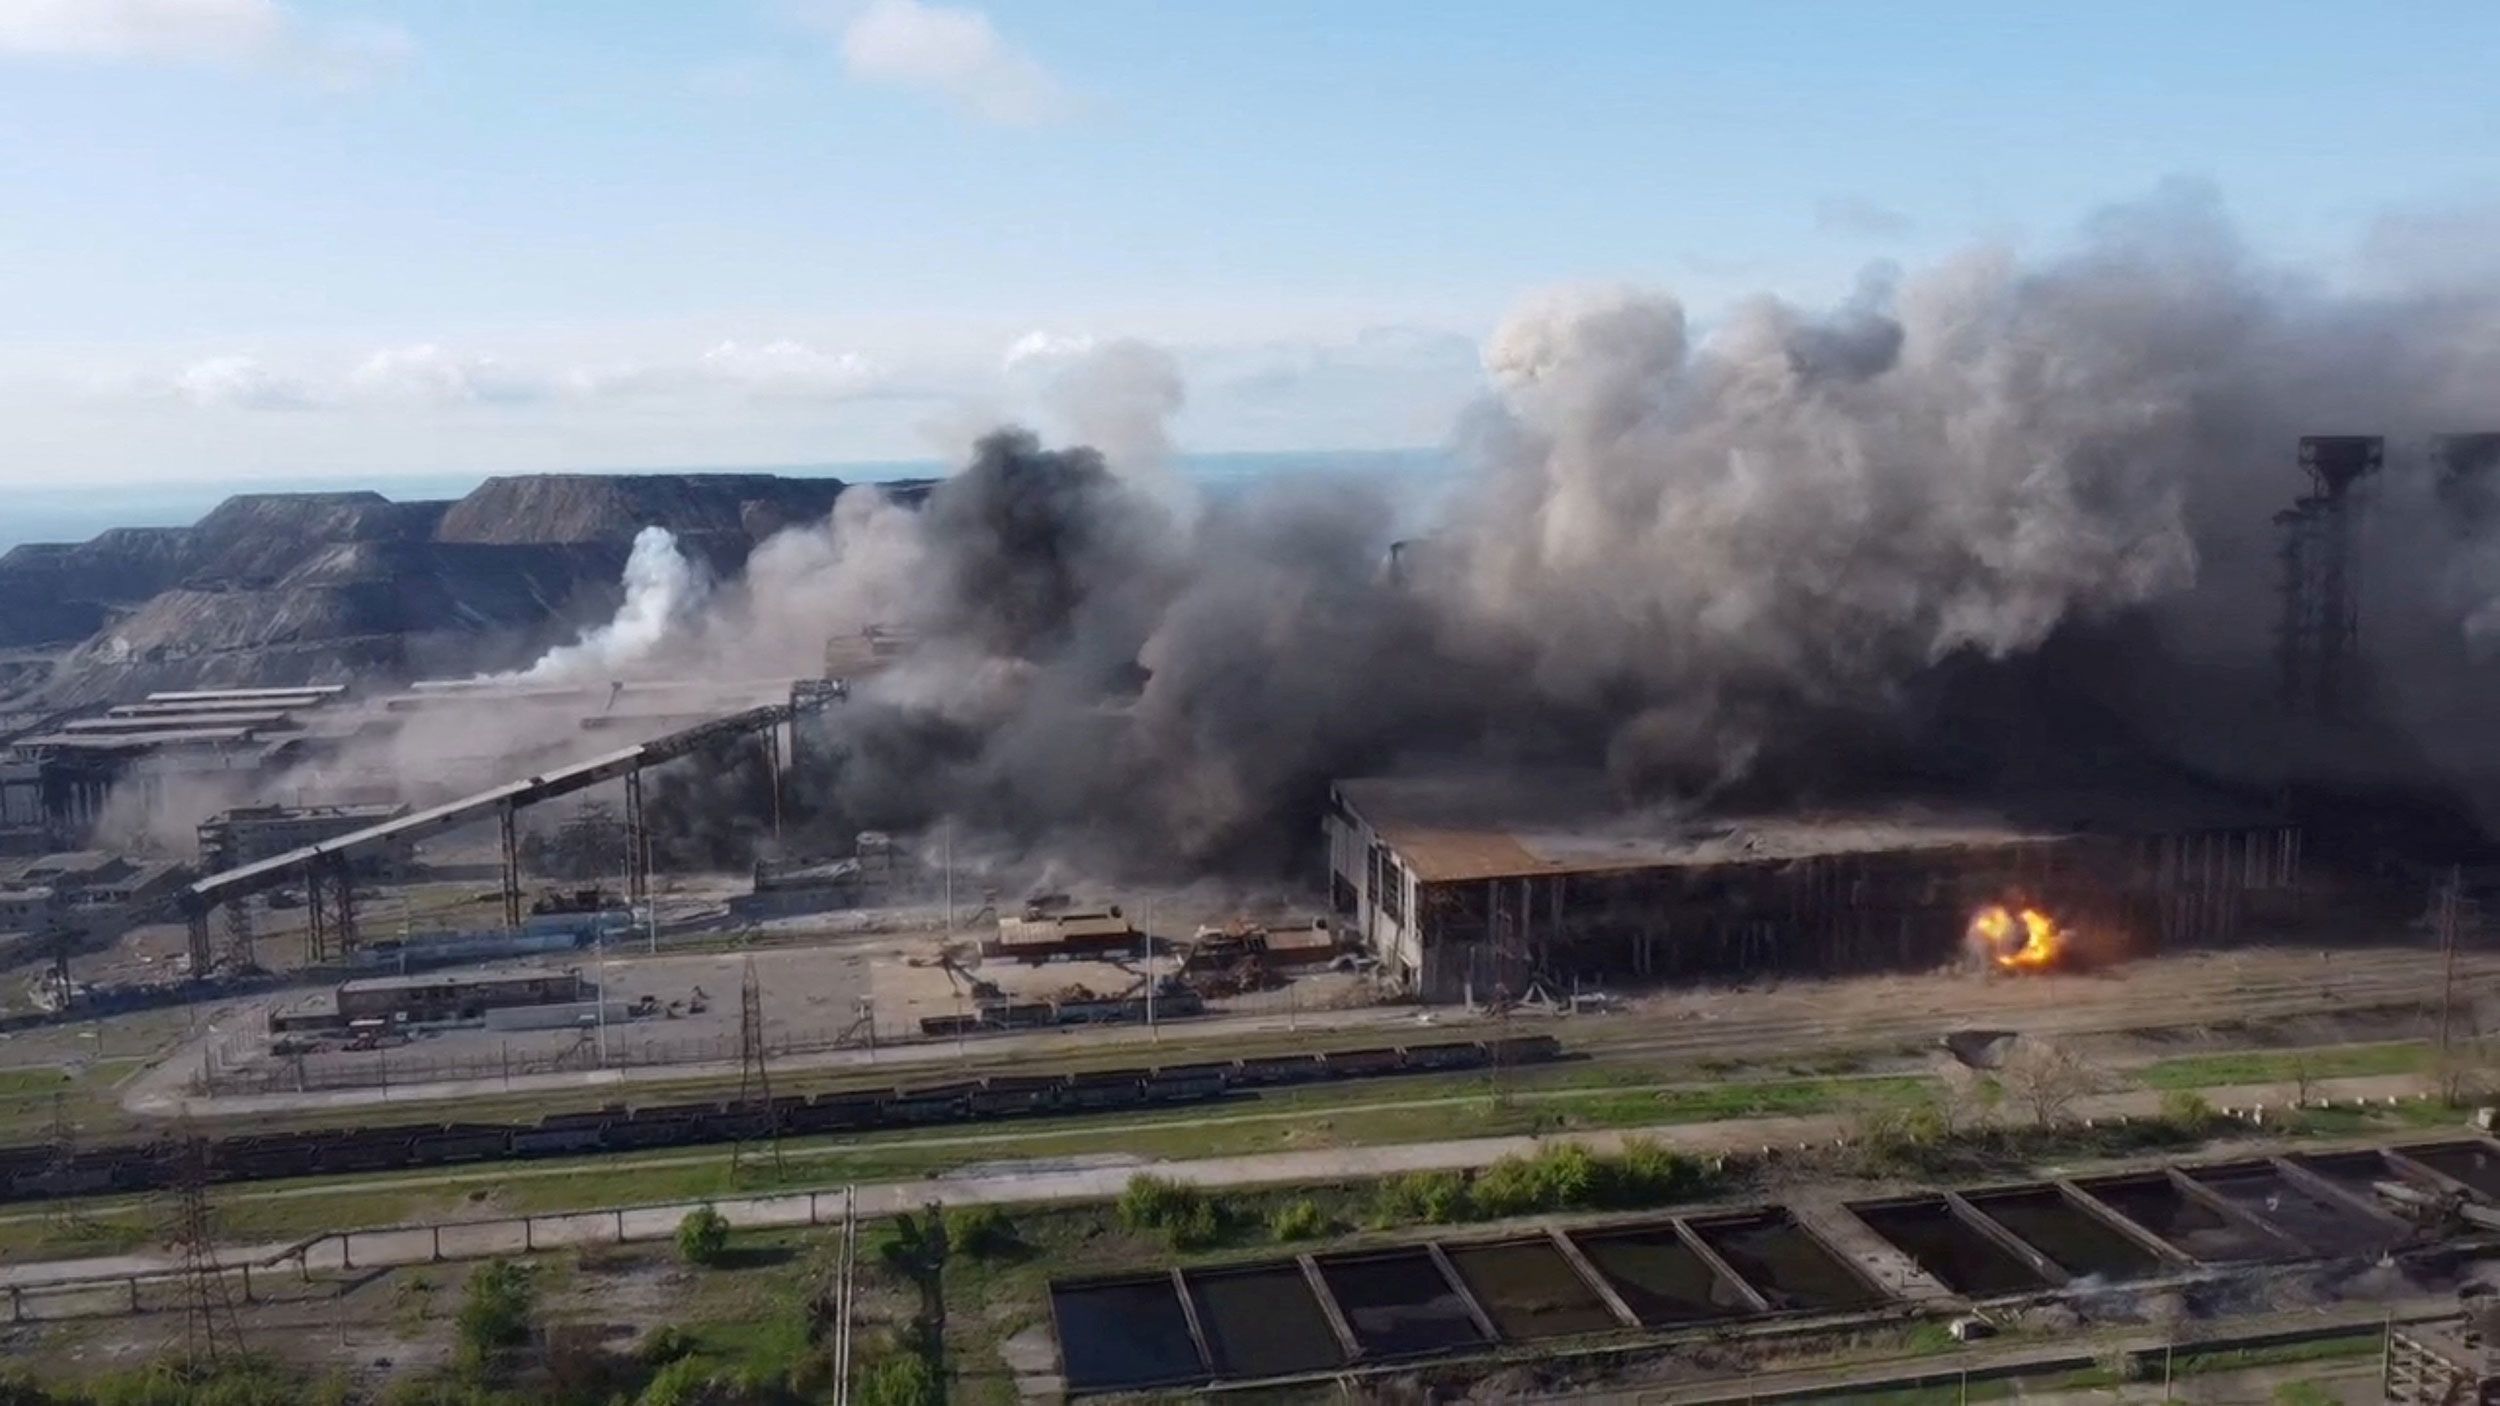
2284	1066
27	1081
982	1232
2342	1347
2406	1114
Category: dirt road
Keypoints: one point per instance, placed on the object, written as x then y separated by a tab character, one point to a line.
1779	1022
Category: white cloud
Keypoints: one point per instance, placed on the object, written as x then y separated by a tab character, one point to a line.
235	33
783	369
789	368
955	53
1041	348
428	374
239	383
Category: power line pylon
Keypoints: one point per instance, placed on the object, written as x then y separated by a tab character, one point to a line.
210	1335
755	1079
60	1153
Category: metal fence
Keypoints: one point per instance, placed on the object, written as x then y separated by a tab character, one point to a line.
381	1069
327	1266
243	1067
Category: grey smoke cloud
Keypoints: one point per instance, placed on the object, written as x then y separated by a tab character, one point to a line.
1695	554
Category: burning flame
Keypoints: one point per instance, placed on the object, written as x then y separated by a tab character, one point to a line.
2017	939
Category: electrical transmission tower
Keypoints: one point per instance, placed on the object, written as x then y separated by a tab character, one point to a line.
61	1150
2317	642
210	1334
239	954
755	1078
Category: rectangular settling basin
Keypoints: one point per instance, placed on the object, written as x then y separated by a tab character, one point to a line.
2351	1172
1262	1321
1398	1305
1658	1276
2158	1205
1785	1263
1124	1334
1529	1290
2472	1163
2074	1239
2321	1224
1958	1256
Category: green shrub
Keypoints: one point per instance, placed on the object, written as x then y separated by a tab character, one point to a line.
1300	1220
703	1236
1437	1198
663	1345
496	1311
901	1379
1645	1173
1199	1226
2186	1110
1150	1202
1185	1215
1557	1177
684	1382
983	1232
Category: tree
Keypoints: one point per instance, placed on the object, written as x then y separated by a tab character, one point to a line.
2046	1079
703	1236
498	1311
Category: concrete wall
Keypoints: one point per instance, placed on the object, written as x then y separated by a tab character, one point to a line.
1373	895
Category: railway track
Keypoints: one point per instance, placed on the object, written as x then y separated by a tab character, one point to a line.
1831	1016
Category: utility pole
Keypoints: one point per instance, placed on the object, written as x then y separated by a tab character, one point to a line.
1501	1047
1146	938
600	997
2450	916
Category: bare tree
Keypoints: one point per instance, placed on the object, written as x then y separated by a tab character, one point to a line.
2046	1079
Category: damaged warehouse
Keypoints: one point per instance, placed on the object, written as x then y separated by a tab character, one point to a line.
1466	886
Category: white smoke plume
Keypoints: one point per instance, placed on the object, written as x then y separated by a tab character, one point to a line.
663	591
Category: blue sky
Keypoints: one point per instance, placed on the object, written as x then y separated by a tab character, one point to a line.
272	237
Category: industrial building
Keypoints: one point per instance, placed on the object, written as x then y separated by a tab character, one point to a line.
24	828
250	834
93	878
2450	1363
1466	885
26	909
54	781
385	1001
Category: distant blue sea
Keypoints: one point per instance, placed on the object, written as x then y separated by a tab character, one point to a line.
74	515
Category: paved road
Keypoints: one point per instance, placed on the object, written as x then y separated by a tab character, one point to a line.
1094	1179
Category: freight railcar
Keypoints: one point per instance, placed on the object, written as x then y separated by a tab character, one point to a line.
36	1172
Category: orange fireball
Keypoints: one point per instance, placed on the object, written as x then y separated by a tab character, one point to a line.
2017	938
